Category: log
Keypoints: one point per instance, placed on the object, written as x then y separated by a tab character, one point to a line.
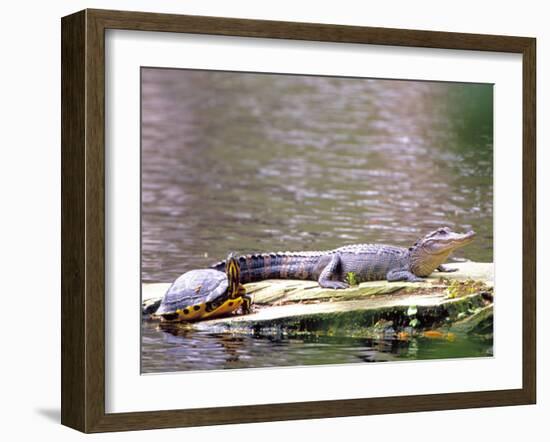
460	302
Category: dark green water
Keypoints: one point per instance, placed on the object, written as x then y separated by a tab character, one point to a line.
253	162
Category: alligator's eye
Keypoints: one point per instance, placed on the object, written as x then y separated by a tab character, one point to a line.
442	231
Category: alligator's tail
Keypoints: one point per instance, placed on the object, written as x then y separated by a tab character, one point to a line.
281	265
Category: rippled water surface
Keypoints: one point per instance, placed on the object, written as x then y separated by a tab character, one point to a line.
253	162
257	162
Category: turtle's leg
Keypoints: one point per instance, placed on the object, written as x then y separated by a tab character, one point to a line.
246	307
326	279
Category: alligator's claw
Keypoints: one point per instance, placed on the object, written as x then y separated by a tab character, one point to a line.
334	285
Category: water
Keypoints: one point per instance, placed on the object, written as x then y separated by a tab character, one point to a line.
256	162
178	349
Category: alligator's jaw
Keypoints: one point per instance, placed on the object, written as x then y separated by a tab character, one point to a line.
434	249
456	241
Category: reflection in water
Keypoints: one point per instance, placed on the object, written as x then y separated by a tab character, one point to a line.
254	162
177	349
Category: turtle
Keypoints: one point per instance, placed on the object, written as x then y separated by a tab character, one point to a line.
204	294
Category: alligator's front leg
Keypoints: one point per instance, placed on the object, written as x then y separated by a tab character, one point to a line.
446	269
329	272
402	275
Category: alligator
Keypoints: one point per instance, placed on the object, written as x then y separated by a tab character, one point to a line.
368	262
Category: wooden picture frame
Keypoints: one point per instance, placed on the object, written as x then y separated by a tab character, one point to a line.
83	220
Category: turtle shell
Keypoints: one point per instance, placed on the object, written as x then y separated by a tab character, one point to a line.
194	288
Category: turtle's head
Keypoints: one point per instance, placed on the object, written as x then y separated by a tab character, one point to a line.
233	272
433	249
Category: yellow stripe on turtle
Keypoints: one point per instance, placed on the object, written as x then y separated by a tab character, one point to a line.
191	313
226	308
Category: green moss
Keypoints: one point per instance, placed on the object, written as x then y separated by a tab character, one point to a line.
458	288
351	279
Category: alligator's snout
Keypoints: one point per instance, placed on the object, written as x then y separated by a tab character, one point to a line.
469	236
455	240
444	240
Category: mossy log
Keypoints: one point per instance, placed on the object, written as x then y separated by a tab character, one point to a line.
460	301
